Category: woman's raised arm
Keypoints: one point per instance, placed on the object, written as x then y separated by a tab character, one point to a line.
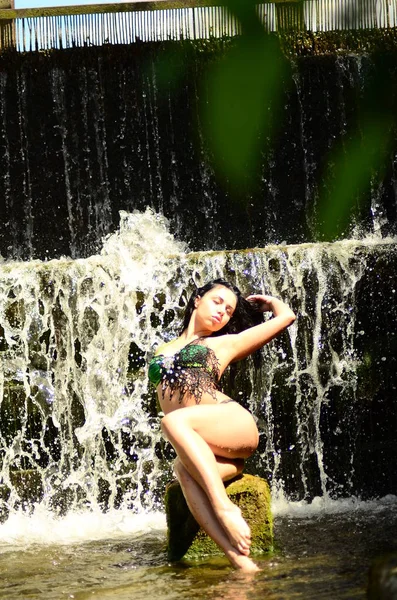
245	343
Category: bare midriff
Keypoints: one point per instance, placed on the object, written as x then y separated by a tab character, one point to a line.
170	404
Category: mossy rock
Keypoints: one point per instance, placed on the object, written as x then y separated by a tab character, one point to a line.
186	539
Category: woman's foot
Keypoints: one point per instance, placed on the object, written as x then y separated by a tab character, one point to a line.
236	528
242	562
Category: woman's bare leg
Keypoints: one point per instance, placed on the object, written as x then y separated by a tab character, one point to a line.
197	433
200	507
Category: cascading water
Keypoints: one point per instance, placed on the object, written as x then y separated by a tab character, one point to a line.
79	425
80	448
140	142
74	428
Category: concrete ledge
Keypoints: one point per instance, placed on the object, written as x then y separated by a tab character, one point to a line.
186	539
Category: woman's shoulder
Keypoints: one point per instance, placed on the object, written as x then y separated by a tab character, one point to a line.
222	345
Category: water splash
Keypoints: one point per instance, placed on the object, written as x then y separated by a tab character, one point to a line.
78	422
326	506
69	352
23	530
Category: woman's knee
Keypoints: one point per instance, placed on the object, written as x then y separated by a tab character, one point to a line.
168	424
173	422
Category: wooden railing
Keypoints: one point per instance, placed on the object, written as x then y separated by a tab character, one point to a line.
64	27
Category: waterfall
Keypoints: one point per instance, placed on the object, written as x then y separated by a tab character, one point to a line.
141	142
112	212
78	420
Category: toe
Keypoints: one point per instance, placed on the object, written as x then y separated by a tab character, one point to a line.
243	549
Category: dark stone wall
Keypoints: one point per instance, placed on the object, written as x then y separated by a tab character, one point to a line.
87	132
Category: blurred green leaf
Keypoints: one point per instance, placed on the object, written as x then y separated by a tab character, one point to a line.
242	95
355	168
358	164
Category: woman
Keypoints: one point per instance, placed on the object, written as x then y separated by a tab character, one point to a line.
213	434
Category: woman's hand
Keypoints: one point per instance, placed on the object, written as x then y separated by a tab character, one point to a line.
264	303
248	341
270	303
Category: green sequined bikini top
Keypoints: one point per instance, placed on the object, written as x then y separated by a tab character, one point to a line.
193	370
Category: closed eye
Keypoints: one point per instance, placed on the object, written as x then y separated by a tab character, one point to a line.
229	309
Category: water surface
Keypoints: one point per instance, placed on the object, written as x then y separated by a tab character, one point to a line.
320	555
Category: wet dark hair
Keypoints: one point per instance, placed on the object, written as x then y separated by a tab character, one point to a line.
245	315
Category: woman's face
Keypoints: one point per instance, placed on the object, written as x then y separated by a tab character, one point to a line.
216	307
